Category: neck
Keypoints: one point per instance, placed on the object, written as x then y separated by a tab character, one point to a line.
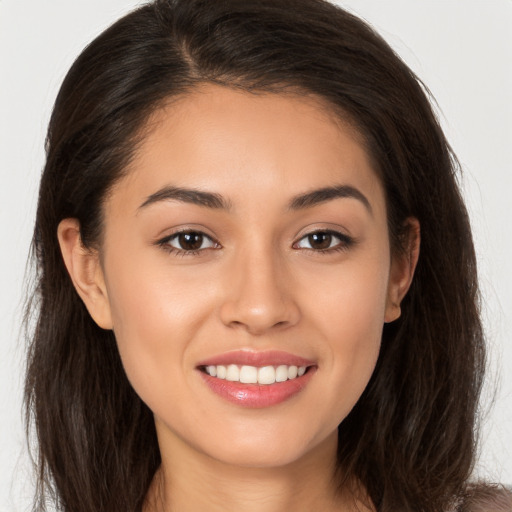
194	481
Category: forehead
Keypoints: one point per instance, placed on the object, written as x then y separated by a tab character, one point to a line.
237	143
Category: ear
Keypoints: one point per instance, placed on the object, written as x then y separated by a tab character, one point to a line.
403	265
85	271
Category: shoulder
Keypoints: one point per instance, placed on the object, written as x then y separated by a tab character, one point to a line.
486	498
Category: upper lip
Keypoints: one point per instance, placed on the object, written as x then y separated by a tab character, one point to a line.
252	358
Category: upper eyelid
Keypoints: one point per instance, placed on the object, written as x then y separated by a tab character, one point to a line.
324	230
180	231
198	231
336	234
323	227
331	231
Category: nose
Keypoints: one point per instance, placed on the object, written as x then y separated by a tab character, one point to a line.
260	295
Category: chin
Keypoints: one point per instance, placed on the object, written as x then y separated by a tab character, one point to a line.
277	449
266	458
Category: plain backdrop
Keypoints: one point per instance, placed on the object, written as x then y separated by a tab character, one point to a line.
462	49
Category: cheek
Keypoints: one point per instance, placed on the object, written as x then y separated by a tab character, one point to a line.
155	316
350	299
349	316
146	296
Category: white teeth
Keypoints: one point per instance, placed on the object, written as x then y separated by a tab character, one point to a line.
233	373
292	372
253	375
266	375
282	373
248	375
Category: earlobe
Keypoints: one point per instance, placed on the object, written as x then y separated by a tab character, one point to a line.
403	265
85	271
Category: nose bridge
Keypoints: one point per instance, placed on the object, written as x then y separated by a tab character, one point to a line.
260	296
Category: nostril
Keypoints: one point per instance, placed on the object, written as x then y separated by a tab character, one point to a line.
257	313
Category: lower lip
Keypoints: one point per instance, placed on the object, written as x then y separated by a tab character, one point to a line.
257	395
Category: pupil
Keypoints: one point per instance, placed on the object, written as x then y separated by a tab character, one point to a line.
320	240
190	241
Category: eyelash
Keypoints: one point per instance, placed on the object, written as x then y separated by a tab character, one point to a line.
345	242
164	243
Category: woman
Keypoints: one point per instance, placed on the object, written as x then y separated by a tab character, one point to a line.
203	351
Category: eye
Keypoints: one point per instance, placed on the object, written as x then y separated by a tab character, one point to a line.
188	242
324	241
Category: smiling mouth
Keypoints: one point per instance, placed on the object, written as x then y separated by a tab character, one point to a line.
264	375
257	379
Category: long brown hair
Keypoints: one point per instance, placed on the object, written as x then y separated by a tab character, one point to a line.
410	439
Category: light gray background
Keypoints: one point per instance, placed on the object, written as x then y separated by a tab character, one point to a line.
462	49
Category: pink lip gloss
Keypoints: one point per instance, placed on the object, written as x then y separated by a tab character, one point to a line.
257	395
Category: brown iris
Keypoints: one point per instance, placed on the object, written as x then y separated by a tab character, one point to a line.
190	241
320	240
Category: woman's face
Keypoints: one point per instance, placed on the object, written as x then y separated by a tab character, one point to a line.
248	240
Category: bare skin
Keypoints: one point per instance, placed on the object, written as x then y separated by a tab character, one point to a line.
290	253
302	486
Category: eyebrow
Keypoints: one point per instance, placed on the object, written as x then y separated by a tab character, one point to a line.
187	195
316	197
216	201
